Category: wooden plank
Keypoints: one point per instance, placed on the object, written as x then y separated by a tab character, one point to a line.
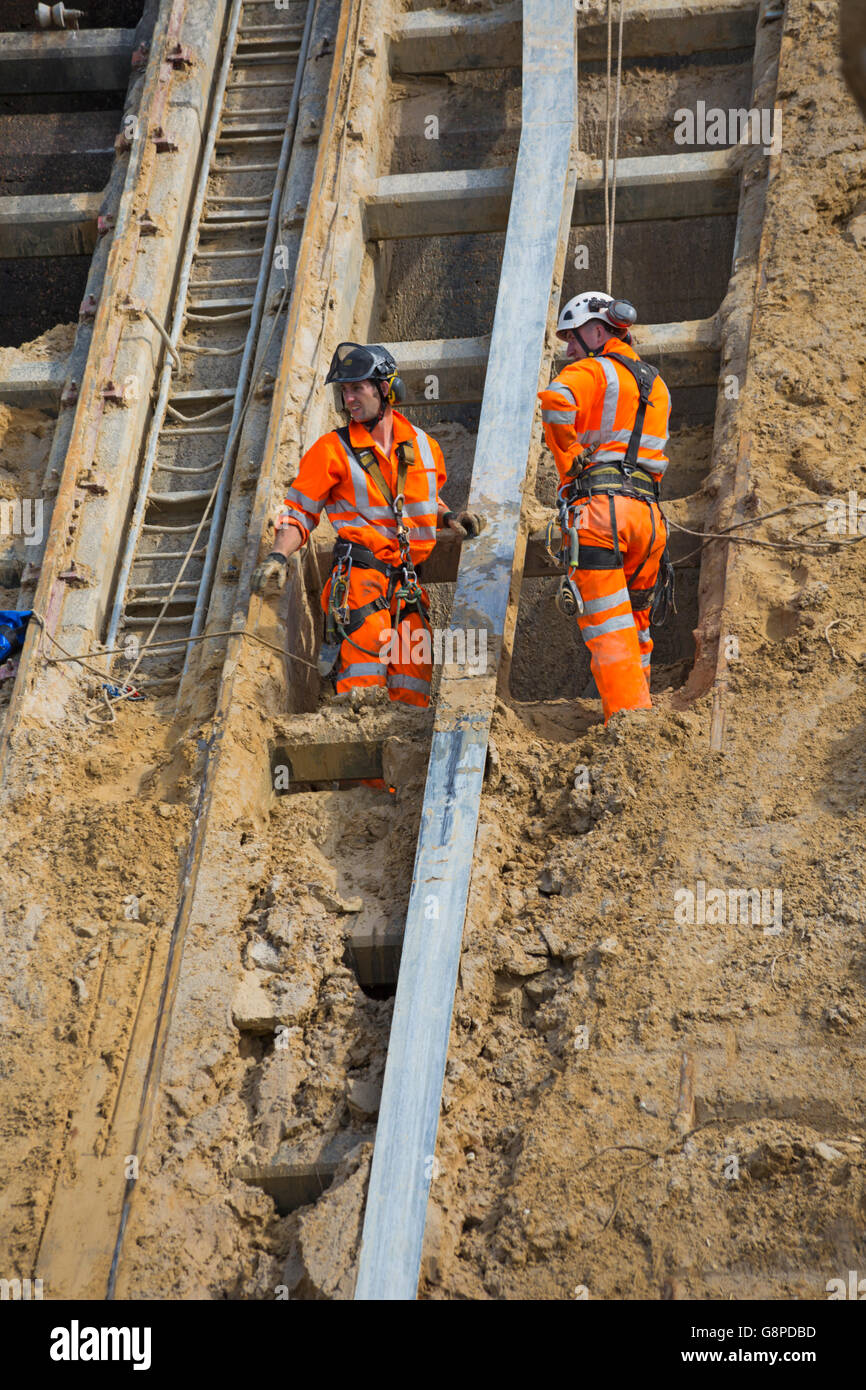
65	60
53	224
429	40
403	1157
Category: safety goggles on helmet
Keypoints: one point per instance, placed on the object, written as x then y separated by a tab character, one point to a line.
359	362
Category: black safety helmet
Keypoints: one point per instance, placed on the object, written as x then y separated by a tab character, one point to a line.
370	362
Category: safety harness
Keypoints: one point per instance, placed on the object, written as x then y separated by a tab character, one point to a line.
628	478
341	620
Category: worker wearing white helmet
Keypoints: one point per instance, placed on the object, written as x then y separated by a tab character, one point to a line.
606	422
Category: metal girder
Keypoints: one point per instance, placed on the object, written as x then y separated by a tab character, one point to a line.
686	353
32	384
701	184
403	1157
429	40
51	224
86	60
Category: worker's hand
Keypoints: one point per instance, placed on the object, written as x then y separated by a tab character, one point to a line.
466	524
270	576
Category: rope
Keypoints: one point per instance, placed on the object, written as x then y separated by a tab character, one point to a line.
129	692
610	179
812	547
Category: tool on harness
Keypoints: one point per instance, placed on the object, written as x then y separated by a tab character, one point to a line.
341	620
568	599
630	479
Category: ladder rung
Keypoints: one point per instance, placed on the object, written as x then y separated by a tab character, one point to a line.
179	530
232	226
174	620
218	304
212	284
212	393
177	499
254	86
258	128
244	168
175	468
249	139
258	111
185	431
169	555
151	587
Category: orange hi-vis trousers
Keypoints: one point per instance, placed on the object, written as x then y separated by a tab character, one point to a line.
366	655
621	544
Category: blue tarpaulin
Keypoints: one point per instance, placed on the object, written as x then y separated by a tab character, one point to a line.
13	629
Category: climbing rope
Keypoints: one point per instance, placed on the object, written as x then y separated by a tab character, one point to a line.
812	547
610	178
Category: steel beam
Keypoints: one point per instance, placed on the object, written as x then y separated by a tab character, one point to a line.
94	60
453	369
404	1153
32	384
702	184
429	40
52	224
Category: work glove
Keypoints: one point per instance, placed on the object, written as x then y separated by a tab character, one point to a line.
464	523
270	576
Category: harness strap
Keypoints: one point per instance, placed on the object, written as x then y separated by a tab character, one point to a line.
644	376
370	464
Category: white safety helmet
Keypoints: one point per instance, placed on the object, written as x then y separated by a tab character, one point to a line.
618	314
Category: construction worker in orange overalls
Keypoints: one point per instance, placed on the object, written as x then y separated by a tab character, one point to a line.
606	422
379	480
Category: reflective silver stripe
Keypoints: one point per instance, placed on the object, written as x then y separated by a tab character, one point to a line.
399	682
653	441
356	524
299	516
418	509
361	668
359	481
429	468
645	660
644	637
618	624
611	398
308	503
598	605
558	417
422	533
562	390
589	437
369	513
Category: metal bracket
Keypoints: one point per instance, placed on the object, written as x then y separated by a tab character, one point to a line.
104	224
161	141
92	481
70	395
179	57
139	56
75	577
147	225
122	143
87	309
112	395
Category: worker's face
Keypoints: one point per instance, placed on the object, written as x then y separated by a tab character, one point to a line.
594	334
361	399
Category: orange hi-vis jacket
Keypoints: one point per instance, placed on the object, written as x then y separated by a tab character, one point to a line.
592	404
331	478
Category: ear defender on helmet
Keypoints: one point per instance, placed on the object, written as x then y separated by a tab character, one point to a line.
396	389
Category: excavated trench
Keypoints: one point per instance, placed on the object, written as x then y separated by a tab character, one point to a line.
578	997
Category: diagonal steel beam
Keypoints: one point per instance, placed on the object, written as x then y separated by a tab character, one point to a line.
403	1157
